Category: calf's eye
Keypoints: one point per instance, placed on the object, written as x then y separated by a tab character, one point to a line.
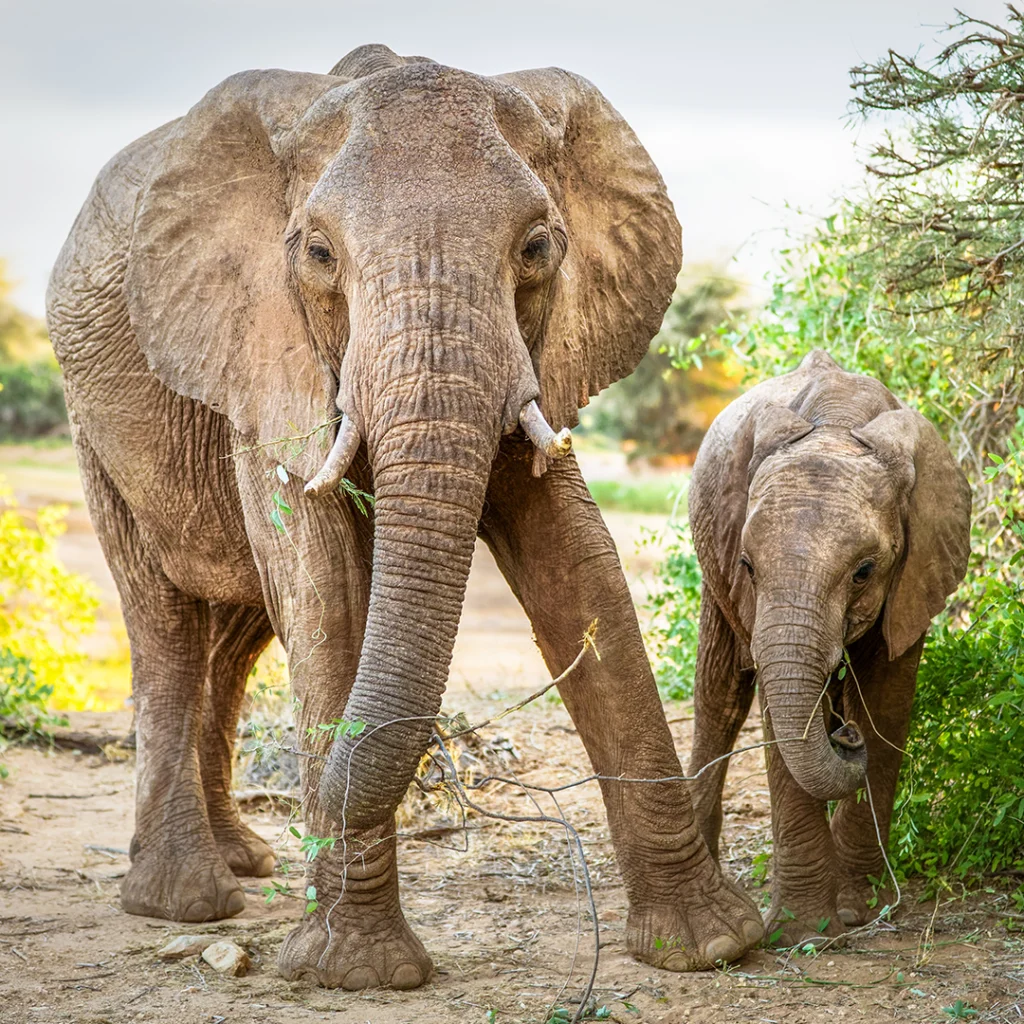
863	572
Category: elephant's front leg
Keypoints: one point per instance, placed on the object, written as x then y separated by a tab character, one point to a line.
887	689
553	547
803	907
317	593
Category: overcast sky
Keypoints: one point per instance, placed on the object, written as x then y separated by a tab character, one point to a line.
742	103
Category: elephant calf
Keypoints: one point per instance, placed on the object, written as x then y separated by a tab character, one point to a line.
827	517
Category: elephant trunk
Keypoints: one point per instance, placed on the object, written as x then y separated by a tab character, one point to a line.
429	482
795	652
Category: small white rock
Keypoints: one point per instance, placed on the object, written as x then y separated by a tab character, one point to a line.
227	958
182	946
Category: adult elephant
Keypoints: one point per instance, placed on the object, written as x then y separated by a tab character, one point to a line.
826	516
435	256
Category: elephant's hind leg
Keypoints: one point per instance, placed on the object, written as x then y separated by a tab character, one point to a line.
176	870
237	637
551	543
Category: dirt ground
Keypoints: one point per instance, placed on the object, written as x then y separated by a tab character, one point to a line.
496	905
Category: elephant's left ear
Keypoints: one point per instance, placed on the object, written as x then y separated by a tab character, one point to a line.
938	522
625	244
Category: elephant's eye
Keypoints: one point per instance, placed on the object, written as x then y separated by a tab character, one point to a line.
538	246
863	572
321	254
746	563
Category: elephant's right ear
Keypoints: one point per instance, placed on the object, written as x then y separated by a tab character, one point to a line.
207	281
938	522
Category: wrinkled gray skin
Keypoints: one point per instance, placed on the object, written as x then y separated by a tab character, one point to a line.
426	251
825	515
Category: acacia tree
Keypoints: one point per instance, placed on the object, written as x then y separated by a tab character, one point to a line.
942	227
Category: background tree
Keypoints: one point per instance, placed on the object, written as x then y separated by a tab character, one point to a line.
31	392
664	407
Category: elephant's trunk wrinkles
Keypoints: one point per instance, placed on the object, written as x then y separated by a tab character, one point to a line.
433	427
339	458
794	660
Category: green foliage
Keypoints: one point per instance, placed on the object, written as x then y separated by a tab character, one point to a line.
960	1011
313	846
960	807
31	393
31	400
23	698
337	728
674	600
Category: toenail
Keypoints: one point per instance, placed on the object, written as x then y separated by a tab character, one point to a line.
406	976
723	948
265	866
360	977
677	960
848	917
235	903
753	932
199	911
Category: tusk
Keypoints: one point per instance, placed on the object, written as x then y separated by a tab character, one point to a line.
554	446
339	458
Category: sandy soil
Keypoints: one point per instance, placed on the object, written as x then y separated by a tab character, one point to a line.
496	906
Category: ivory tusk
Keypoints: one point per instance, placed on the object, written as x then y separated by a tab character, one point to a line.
554	446
339	458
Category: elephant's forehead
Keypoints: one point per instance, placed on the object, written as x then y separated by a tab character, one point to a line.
820	475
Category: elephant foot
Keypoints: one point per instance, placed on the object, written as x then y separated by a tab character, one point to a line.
785	929
361	951
197	886
716	926
243	851
859	901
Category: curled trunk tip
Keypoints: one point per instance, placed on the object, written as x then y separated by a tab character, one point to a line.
339	458
553	445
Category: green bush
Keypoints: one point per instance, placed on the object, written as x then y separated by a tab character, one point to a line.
31	400
960	806
674	601
663	409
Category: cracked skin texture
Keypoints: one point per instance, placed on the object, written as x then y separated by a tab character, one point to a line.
426	250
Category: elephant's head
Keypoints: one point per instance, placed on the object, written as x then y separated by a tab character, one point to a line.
435	255
837	525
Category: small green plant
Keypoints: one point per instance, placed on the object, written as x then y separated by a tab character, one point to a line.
311	900
960	1010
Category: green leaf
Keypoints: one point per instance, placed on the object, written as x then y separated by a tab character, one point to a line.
282	474
275	518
